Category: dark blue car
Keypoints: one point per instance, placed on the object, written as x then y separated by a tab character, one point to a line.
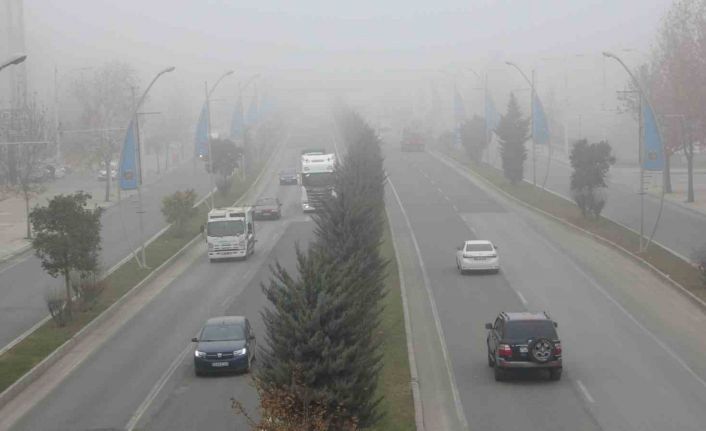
288	176
225	343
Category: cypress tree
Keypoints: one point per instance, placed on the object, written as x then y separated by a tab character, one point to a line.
513	131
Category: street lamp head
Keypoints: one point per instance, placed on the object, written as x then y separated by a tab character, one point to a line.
509	63
230	72
18	58
169	69
608	54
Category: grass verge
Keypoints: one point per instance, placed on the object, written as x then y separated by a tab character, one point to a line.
680	271
394	383
41	343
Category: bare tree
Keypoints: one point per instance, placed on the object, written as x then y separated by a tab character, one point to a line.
106	99
29	150
675	80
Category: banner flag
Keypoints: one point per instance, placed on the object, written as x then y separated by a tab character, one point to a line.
653	152
128	174
253	113
201	138
540	126
237	125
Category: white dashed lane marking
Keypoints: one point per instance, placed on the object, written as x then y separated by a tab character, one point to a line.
584	391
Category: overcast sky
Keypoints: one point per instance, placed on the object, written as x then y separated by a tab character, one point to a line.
340	39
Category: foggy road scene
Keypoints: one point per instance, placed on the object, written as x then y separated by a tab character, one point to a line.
385	216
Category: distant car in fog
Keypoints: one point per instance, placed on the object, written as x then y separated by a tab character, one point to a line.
225	343
268	208
288	176
477	255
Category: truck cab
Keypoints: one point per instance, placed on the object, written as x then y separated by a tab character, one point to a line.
317	179
230	233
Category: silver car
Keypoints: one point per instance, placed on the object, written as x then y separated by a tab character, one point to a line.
477	255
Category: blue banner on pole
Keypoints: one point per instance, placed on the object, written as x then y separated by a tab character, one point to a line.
128	174
492	118
237	124
653	152
540	126
253	109
201	138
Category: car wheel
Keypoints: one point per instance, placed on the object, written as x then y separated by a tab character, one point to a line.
555	374
499	374
198	373
496	271
540	350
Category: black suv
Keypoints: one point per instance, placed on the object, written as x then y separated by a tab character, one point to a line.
524	341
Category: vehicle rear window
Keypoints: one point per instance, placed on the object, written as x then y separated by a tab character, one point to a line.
526	329
479	247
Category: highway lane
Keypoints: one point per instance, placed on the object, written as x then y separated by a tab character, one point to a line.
23	282
109	388
627	361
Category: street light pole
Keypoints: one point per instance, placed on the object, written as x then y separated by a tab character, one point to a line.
208	129
134	118
241	88
532	96
642	99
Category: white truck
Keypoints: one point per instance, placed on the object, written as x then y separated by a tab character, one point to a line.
230	233
317	178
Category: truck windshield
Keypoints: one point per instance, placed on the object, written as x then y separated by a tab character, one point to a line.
320	179
225	228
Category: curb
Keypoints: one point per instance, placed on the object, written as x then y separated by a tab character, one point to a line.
678	287
414	376
29	377
16	253
38	370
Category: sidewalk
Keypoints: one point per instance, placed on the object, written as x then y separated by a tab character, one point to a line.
629	176
13	217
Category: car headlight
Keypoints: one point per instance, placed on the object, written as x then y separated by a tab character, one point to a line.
199	354
240	352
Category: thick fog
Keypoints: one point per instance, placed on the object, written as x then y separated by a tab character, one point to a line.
392	51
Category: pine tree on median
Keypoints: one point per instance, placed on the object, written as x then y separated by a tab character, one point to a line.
513	132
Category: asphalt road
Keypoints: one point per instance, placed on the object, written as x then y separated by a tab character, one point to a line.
634	351
23	282
143	376
630	362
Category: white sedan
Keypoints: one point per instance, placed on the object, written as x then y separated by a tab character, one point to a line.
477	255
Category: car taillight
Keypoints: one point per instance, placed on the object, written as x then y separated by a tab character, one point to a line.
504	351
557	349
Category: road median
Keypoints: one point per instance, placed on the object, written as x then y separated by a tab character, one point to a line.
679	273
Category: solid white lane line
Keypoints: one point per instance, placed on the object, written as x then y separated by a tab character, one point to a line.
437	322
447	198
454	207
156	389
632	318
585	392
522	298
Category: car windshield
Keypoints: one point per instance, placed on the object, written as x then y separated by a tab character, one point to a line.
225	228
526	329
479	247
266	202
288	171
222	333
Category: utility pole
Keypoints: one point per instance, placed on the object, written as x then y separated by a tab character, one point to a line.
534	150
208	139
